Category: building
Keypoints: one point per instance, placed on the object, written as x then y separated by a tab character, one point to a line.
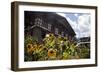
84	41
38	24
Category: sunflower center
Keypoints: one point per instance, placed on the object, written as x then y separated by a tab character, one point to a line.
29	46
51	52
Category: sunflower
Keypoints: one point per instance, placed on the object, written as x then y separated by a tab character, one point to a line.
30	48
38	47
51	34
51	53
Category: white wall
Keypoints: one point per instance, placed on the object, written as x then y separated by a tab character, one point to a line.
5	26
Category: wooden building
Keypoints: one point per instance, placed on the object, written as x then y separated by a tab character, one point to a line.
38	24
84	41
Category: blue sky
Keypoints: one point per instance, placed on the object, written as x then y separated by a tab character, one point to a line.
80	23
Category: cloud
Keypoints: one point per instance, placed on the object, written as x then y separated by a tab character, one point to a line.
73	24
76	14
80	24
84	25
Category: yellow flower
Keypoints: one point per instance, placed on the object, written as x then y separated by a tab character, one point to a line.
47	35
39	47
61	42
30	48
51	35
51	53
65	55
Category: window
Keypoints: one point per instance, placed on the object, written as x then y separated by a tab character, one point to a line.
62	34
67	35
38	21
56	31
49	27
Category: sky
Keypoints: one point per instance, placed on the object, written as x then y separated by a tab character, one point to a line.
80	22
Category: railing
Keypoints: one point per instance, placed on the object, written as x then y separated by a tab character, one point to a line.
82	43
